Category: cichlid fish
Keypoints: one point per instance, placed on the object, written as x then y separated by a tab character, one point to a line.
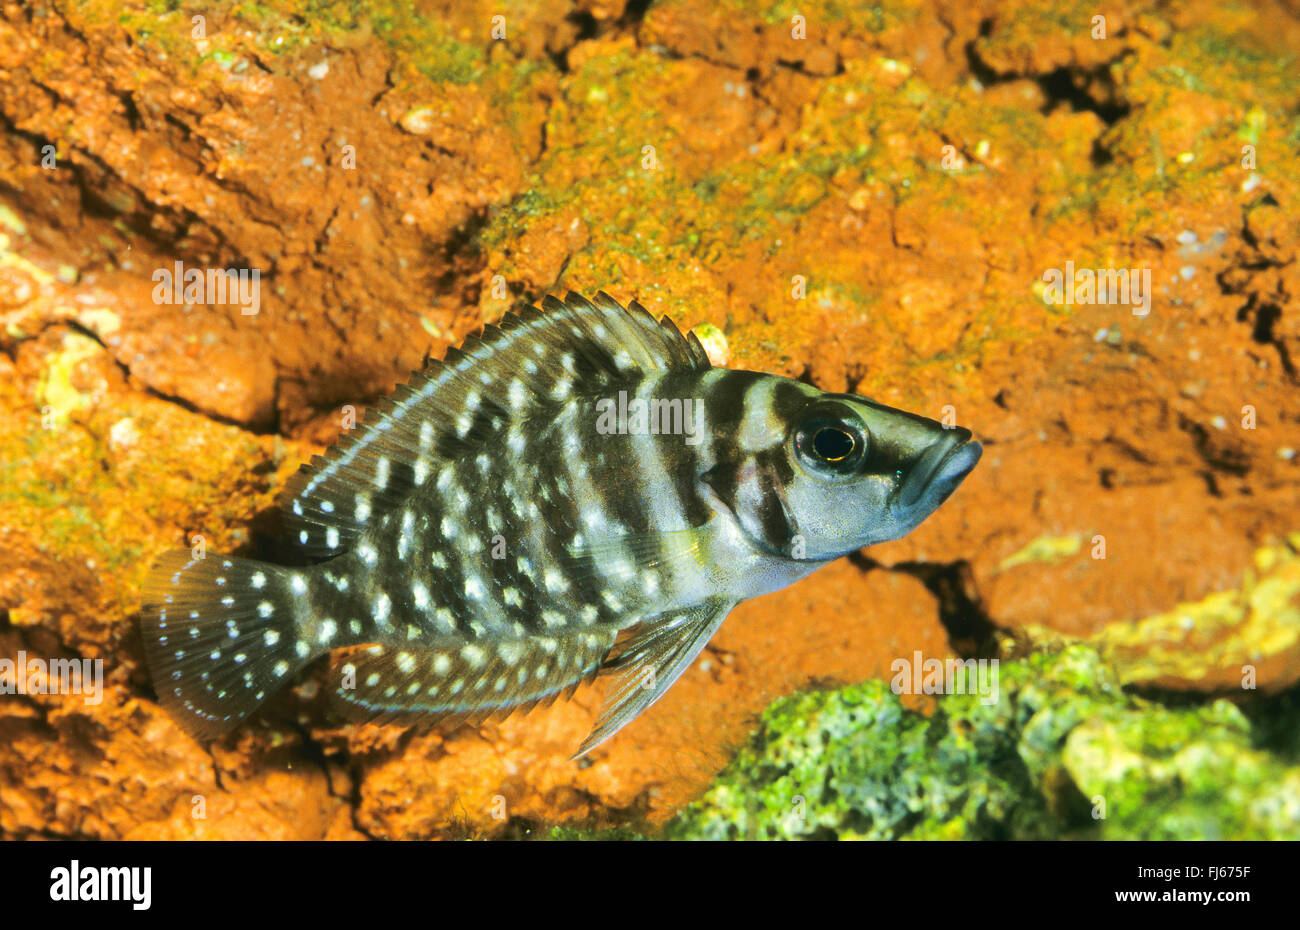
575	490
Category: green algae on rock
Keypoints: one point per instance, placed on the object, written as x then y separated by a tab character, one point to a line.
1065	753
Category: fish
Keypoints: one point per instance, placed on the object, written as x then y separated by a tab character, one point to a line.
574	492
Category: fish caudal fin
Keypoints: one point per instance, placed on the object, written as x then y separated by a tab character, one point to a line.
220	637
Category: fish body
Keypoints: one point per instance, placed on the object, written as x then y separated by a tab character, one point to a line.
575	491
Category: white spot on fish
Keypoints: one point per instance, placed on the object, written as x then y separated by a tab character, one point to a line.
555	582
518	394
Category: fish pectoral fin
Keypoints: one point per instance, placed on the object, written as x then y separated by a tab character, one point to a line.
667	552
647	663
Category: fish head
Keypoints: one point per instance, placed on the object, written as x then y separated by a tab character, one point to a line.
864	473
837	472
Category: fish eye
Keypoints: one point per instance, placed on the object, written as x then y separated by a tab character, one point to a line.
831	444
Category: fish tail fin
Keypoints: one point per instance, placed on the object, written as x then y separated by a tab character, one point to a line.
221	636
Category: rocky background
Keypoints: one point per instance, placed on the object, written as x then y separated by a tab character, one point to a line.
864	196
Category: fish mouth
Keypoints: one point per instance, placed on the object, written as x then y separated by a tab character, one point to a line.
938	471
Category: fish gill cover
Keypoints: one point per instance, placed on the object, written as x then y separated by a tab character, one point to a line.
228	231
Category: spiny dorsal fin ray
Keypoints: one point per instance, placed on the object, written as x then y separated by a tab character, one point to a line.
468	682
524	366
647	663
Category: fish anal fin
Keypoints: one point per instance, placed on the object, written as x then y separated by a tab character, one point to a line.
464	682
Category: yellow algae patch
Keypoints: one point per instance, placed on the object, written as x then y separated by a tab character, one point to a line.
56	390
1043	549
1231	638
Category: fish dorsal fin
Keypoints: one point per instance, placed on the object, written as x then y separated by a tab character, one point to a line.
646	664
525	366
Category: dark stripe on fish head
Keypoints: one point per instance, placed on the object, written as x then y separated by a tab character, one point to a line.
752	468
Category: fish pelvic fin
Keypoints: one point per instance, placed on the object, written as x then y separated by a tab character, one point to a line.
647	663
220	637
